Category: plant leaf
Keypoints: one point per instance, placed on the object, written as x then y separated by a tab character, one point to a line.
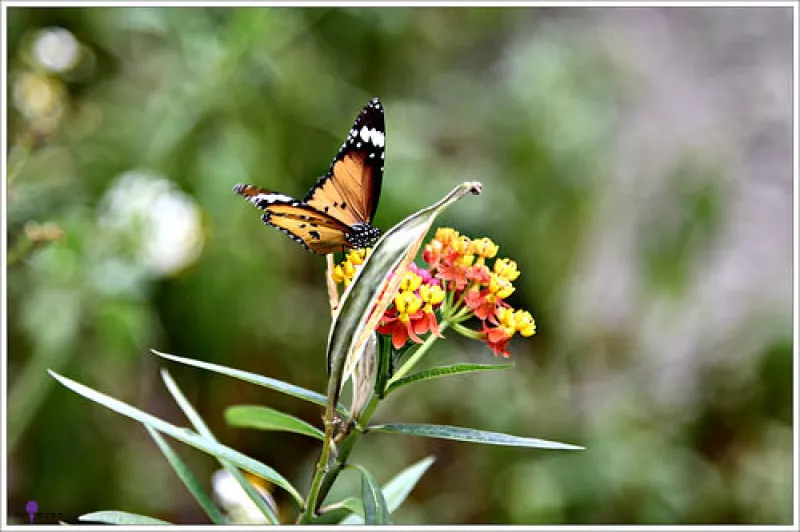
447	432
267	382
181	433
267	510
444	371
396	490
263	418
375	510
188	479
369	295
116	517
335	513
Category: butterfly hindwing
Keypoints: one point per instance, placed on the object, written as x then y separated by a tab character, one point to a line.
350	190
316	231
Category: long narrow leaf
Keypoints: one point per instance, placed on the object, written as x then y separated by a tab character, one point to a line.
396	490
181	433
188	479
263	418
367	297
339	512
375	510
200	426
116	517
444	371
447	432
267	382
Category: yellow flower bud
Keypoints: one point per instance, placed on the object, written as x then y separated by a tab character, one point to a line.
524	323
484	247
506	269
410	282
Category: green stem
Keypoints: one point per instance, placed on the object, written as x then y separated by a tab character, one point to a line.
346	448
464	331
323	481
461	315
417	356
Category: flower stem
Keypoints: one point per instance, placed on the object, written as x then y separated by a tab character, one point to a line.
464	331
417	356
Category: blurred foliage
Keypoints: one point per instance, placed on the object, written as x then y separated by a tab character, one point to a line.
636	163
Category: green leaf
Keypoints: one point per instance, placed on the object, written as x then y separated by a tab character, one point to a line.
267	382
447	432
188	479
365	299
263	418
375	510
200	426
335	513
444	371
181	433
352	504
115	517
396	490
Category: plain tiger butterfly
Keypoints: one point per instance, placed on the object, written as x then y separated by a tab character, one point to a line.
336	213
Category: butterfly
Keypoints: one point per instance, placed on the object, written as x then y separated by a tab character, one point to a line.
337	212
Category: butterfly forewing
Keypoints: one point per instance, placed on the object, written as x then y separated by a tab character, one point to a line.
351	188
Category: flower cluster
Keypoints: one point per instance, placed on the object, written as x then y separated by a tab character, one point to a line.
412	311
458	285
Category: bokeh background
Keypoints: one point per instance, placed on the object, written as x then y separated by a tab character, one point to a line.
636	162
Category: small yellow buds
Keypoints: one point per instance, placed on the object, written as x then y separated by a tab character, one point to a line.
431	295
344	272
358	256
410	282
446	235
406	303
484	248
512	321
500	286
524	323
505	316
506	268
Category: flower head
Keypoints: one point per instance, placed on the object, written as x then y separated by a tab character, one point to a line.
456	285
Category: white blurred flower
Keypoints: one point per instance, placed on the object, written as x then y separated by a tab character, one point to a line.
237	504
56	49
164	221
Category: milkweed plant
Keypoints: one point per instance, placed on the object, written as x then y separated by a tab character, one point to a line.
387	312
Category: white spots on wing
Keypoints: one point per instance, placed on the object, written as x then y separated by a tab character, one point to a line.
373	136
382	154
272	198
372	155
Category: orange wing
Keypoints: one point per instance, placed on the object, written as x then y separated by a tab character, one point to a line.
316	231
350	190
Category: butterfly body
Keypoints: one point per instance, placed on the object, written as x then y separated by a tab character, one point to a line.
337	212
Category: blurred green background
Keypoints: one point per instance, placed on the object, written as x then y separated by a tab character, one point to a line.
636	164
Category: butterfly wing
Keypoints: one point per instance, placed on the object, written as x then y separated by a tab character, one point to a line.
350	190
316	231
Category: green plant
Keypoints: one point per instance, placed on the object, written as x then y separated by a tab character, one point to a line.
387	302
